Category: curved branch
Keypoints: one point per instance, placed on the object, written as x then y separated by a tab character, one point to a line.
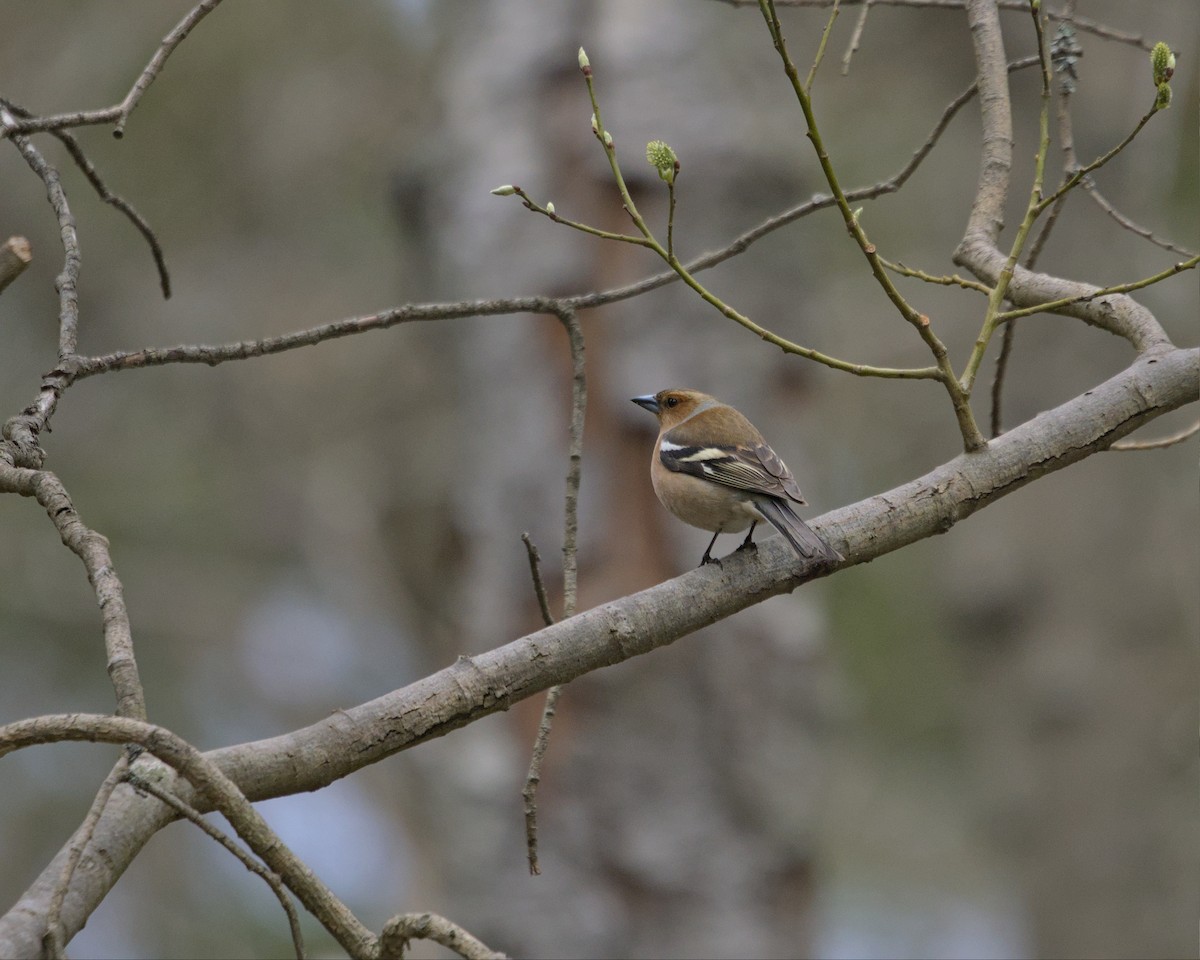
978	250
218	792
92	548
314	756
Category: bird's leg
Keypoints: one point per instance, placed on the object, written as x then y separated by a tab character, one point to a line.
748	543
708	557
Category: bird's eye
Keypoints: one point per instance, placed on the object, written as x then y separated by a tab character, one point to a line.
672	401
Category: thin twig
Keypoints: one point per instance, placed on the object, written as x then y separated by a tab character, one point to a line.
855	37
534	776
54	941
212	355
820	54
1052	305
1100	161
192	815
548	210
1064	53
1090	188
67	280
89	171
92	549
120	203
742	242
1033	208
535	572
670	220
951	281
574	331
570	570
170	42
1160	444
120	112
943	372
197	353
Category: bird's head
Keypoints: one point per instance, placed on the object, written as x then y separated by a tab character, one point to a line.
674	406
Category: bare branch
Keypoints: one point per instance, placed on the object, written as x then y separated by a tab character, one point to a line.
212	355
88	169
1064	52
67	280
429	926
116	200
856	37
1128	224
55	939
959	399
542	739
1094	294
570	323
119	113
820	54
192	815
1161	443
92	549
535	571
217	791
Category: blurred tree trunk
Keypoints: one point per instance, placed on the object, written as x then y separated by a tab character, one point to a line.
679	793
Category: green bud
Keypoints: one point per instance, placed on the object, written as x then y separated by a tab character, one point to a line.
1163	100
663	159
608	140
505	191
595	125
585	65
550	208
1162	61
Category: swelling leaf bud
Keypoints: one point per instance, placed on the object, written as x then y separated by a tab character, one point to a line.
1163	100
585	65
663	159
550	208
505	191
1162	61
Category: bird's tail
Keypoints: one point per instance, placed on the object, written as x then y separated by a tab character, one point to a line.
807	543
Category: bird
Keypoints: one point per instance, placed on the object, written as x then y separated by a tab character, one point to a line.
713	469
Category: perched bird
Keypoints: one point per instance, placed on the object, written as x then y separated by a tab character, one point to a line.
713	469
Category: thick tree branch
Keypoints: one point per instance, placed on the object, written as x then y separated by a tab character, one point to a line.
1157	382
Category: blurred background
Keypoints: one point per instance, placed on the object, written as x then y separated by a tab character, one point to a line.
981	746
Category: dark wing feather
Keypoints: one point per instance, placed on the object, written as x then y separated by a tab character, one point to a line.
754	469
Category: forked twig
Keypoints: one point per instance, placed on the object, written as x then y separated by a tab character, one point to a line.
192	815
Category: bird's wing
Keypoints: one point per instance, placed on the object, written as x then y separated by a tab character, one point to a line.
756	469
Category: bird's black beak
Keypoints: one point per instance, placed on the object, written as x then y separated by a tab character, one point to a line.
649	402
